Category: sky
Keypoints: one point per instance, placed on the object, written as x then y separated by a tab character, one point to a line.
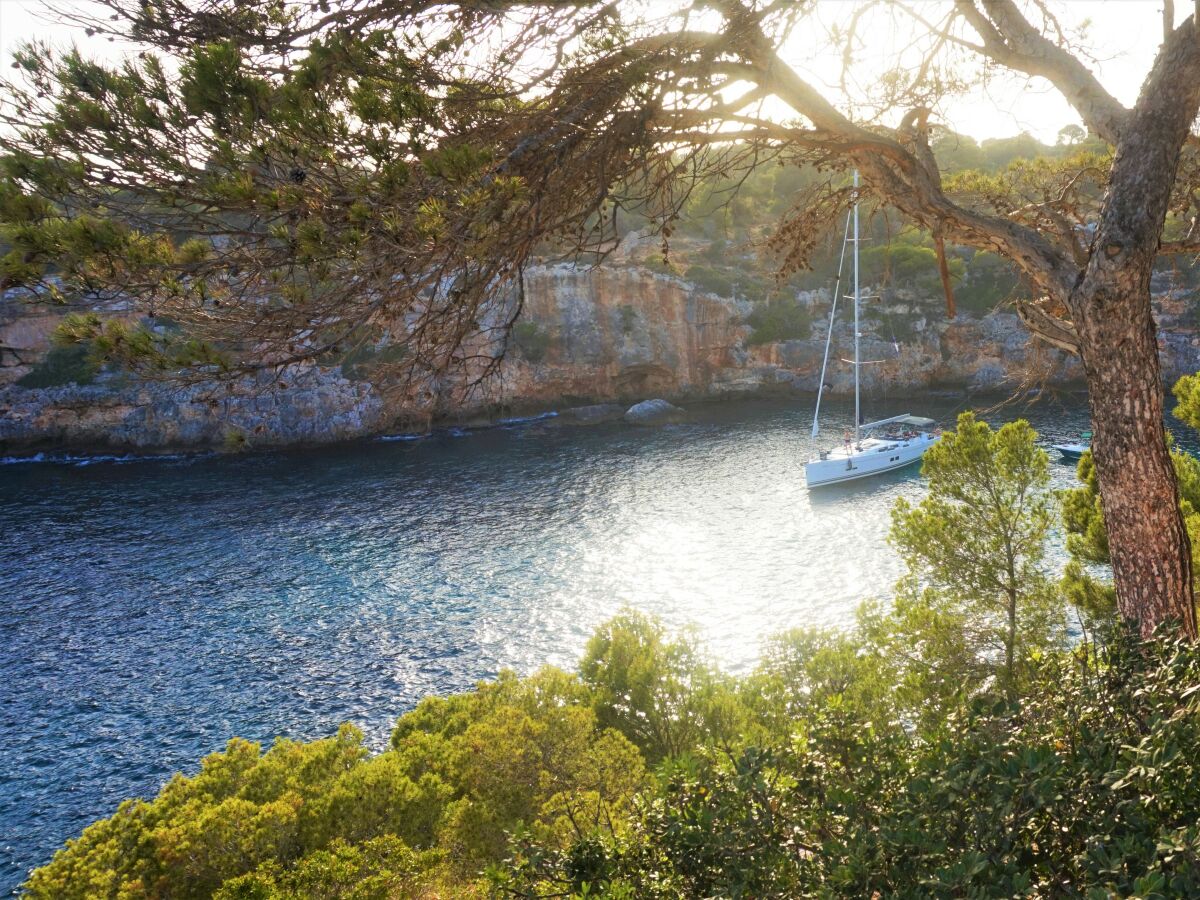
1123	35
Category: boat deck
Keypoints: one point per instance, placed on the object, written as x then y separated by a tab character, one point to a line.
867	446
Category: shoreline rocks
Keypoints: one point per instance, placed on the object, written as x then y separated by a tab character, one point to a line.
654	412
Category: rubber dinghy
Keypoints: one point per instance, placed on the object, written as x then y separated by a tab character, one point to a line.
1072	452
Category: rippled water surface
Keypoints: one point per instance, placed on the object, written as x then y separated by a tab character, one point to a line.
153	609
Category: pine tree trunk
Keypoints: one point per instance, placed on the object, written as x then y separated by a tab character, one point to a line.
1110	304
1151	552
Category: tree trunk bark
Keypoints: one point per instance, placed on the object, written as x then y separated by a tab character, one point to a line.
1149	545
1110	304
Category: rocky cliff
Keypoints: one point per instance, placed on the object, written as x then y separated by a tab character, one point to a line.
621	332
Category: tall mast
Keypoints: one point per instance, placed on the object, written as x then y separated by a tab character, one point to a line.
857	413
837	293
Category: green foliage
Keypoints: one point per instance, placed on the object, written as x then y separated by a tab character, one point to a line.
1083	515
1086	787
629	316
988	282
62	364
1083	512
517	752
381	868
531	340
975	546
462	773
802	671
784	319
1187	395
659	692
907	261
160	350
826	785
710	279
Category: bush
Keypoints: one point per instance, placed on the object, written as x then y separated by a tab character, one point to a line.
531	341
64	364
1086	787
811	777
710	280
462	773
990	280
906	758
779	320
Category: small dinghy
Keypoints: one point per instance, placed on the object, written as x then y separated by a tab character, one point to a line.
1072	452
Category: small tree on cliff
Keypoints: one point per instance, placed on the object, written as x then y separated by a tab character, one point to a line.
368	164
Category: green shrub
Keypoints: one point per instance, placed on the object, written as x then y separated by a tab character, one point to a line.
63	364
710	280
1086	787
779	320
629	317
531	341
903	758
462	773
990	280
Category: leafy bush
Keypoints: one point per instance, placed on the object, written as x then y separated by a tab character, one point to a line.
661	693
815	780
1086	787
989	281
531	340
462	773
779	320
63	364
629	316
711	280
988	490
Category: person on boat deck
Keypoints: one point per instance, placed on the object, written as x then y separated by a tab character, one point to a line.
846	439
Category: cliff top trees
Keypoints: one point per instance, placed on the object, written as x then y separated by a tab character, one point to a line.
290	177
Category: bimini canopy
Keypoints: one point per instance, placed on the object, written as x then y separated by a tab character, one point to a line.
906	419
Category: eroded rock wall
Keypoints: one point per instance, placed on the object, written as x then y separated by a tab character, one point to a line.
621	332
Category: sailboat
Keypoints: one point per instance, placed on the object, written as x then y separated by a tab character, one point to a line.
875	447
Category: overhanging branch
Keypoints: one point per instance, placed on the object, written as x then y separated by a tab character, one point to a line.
1049	328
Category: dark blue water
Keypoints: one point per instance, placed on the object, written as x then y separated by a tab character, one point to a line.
153	609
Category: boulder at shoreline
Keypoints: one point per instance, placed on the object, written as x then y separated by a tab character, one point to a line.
653	412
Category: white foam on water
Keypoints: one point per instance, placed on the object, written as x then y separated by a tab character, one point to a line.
64	459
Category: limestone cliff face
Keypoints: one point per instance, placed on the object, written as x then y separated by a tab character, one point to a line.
621	332
296	406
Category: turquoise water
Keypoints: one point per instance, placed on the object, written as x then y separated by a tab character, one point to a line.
154	609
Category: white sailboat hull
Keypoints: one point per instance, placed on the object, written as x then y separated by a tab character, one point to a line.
872	456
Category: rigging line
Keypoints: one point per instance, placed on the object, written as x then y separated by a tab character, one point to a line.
837	290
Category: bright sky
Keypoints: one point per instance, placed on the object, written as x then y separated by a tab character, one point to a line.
1123	34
